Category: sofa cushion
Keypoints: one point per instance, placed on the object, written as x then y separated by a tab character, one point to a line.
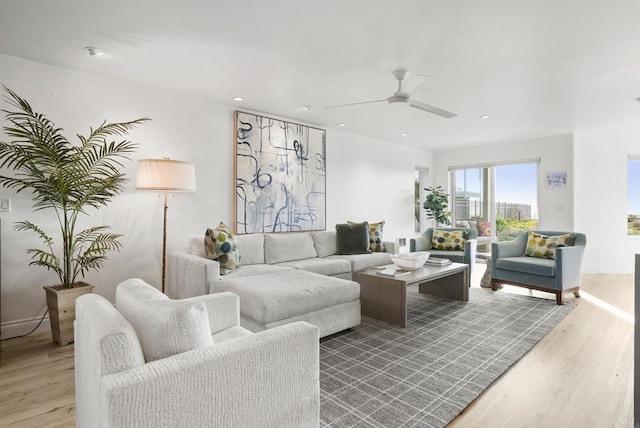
284	247
245	271
376	245
352	238
164	327
544	246
364	261
525	264
196	246
452	240
220	245
323	266
325	242
251	248
290	294
463	223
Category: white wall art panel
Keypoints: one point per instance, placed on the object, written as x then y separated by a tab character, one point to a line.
280	175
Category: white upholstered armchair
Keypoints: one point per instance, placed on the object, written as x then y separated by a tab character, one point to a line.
156	362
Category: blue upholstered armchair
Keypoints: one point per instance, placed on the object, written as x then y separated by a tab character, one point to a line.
510	265
468	255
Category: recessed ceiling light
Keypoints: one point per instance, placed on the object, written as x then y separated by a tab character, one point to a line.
404	134
485	116
94	51
238	98
342	124
307	108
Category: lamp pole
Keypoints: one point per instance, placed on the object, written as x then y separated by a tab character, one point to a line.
164	241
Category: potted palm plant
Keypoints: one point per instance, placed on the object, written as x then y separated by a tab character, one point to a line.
436	205
68	179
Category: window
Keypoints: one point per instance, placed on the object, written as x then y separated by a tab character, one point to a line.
499	200
516	199
633	196
419	183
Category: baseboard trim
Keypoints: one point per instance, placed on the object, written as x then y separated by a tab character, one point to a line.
20	327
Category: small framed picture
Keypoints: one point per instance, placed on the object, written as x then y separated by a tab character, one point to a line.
557	180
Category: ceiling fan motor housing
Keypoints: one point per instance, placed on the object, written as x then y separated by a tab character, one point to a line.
398	98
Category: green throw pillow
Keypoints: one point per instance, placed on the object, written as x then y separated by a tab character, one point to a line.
375	236
450	240
544	247
219	245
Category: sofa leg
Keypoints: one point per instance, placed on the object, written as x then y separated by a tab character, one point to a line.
494	285
559	298
576	293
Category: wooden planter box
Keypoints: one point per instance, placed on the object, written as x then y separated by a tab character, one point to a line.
62	309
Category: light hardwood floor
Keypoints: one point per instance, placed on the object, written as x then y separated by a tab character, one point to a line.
579	375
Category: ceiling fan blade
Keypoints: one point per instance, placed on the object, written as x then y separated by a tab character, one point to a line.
431	109
355	104
414	83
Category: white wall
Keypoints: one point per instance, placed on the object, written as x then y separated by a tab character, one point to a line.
556	206
367	179
601	154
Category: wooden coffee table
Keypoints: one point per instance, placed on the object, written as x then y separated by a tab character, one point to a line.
385	297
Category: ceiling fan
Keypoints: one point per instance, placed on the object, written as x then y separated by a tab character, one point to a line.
402	96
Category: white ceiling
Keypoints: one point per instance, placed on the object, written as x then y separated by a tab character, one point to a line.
538	68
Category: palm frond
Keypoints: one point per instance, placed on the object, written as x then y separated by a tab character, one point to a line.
46	259
27	225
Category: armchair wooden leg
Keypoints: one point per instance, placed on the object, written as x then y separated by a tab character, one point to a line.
559	298
576	293
494	285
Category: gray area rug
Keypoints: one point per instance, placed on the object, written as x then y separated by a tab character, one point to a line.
379	375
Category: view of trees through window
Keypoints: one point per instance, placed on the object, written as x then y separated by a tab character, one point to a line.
514	189
633	196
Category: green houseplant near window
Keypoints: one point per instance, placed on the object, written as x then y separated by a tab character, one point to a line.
436	204
67	179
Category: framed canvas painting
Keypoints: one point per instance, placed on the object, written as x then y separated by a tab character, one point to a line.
280	169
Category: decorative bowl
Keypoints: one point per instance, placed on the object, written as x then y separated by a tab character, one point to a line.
410	261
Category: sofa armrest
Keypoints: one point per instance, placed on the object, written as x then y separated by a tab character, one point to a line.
190	275
391	247
470	251
223	310
569	266
421	243
269	378
104	343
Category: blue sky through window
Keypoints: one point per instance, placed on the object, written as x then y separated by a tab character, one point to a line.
633	186
515	183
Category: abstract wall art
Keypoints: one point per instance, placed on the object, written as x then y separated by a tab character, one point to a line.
280	169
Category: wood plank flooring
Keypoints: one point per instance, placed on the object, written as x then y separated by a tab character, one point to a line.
579	375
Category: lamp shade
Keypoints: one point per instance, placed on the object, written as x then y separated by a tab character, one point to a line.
166	174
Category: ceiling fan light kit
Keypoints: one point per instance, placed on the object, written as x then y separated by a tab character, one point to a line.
401	97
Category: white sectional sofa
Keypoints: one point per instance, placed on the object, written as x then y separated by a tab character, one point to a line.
282	278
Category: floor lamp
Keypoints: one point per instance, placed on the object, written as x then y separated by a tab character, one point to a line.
167	176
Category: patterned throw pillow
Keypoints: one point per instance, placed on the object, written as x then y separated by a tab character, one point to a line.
220	246
375	236
544	247
484	228
451	240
